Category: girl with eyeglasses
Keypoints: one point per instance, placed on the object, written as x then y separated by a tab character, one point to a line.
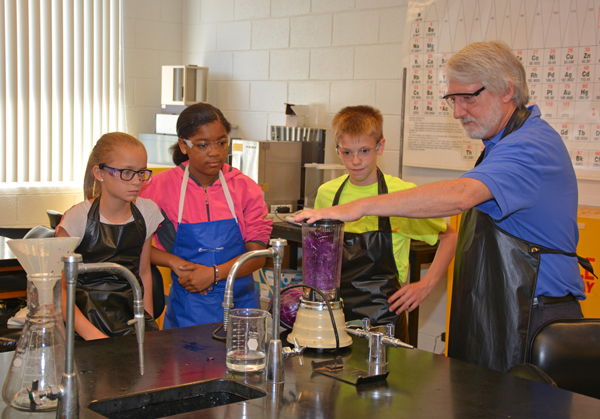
213	214
115	225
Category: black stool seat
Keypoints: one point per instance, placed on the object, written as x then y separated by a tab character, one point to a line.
568	350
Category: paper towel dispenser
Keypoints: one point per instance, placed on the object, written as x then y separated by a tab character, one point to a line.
184	85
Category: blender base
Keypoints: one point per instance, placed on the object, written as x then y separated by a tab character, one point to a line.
313	328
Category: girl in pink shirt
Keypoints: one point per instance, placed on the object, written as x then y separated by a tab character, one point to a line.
213	214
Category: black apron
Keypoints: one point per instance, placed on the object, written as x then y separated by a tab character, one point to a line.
369	273
107	299
495	275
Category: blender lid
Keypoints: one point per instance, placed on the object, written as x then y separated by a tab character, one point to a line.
324	223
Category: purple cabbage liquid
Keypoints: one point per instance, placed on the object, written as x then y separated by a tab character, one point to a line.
322	257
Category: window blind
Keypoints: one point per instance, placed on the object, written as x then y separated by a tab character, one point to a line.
61	87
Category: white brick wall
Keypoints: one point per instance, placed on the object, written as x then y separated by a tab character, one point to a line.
270	33
356	28
379	62
332	5
233	96
334	52
220	65
25	205
303	92
310	31
251	65
213	10
233	36
289	7
289	64
267	96
388	97
264	53
203	35
352	93
252	9
332	63
153	36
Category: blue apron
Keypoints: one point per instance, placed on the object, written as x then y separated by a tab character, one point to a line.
208	243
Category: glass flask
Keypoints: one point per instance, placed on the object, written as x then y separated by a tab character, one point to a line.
40	353
322	247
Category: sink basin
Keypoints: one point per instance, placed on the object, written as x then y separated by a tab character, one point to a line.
176	400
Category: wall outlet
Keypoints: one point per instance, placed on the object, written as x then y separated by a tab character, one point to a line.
277	208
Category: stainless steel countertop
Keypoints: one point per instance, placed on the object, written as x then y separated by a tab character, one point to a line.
420	384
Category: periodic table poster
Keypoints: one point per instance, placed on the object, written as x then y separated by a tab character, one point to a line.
558	42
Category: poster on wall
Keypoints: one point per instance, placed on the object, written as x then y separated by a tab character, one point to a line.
558	42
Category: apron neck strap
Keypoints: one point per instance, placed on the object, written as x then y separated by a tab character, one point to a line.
184	182
383	222
227	195
515	122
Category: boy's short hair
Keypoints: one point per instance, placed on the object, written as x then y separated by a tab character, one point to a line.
358	121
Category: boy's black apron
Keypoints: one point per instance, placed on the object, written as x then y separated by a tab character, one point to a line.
495	275
107	299
369	273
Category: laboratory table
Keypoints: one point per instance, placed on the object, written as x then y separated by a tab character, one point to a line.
420	384
420	254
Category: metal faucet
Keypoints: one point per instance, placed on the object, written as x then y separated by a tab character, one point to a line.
67	391
275	353
379	337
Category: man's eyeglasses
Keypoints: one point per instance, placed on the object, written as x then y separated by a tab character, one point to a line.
127	174
465	100
364	152
204	147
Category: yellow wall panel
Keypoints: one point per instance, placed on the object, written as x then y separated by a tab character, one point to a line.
588	219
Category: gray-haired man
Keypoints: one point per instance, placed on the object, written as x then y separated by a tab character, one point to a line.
515	265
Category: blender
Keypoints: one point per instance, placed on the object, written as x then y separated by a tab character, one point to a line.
322	247
40	353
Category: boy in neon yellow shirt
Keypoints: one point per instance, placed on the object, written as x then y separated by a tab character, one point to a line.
376	249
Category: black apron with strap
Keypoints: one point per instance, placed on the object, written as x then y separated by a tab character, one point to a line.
369	273
495	276
107	299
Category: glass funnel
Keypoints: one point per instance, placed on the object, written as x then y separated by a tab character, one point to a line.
322	246
40	353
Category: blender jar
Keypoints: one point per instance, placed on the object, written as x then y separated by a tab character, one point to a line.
322	247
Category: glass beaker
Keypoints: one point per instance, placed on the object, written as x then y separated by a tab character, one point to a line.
40	353
247	340
322	247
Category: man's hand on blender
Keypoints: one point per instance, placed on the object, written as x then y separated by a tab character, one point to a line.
346	212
